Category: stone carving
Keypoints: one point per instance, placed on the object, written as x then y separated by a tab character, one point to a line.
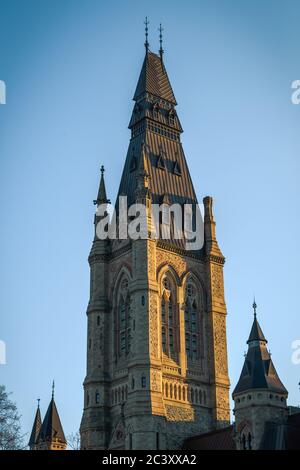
177	262
217	281
177	413
220	344
222	398
155	381
153	325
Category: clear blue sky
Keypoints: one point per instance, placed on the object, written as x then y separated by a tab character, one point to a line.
70	69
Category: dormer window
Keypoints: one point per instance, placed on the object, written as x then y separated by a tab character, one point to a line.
177	169
156	111
171	118
160	162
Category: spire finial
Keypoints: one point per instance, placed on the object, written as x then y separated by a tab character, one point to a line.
161	51
53	387
102	169
38	400
146	22
254	307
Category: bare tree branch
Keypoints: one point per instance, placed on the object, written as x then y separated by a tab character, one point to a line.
10	428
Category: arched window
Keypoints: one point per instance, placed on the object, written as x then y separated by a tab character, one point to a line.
164	324
97	397
124	325
192	324
168	319
191	330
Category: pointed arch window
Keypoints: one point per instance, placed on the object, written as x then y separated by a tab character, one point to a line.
124	326
168	320
192	327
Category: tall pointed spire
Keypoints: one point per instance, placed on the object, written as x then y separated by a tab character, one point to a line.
154	80
35	428
51	435
101	198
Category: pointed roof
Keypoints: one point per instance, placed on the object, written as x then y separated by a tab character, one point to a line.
35	428
256	333
51	427
101	198
154	79
258	371
160	139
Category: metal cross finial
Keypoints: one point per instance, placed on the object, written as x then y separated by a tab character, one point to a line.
102	170
254	307
53	387
146	22
161	51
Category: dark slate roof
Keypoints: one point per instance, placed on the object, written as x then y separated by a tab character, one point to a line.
282	436
256	333
51	427
35	428
220	439
154	79
162	181
169	176
258	371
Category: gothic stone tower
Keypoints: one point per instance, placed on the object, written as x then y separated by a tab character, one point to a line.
156	338
259	396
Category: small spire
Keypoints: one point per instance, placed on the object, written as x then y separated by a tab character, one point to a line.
146	22
101	198
53	387
254	307
161	51
143	166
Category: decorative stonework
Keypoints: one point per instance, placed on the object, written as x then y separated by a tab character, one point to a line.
177	413
220	344
222	402
178	263
153	325
155	381
217	281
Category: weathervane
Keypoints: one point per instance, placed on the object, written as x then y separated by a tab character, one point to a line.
146	22
161	51
254	307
